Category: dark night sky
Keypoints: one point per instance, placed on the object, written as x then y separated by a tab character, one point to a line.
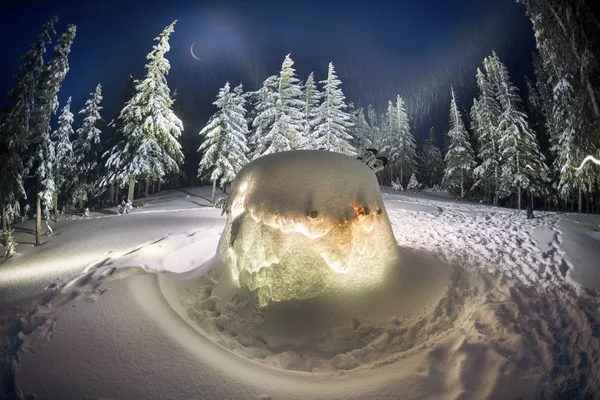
380	48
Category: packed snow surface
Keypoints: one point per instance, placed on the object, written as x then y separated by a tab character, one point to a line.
300	223
483	304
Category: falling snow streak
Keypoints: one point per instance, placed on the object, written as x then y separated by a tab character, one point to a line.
585	161
425	83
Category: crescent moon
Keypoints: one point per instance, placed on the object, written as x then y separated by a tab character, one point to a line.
192	51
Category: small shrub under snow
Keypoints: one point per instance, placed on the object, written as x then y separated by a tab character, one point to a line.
11	246
413	184
396	185
125	207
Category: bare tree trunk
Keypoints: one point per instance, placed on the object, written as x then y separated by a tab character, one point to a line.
38	217
214	189
401	173
531	197
117	190
147	189
462	185
587	205
139	189
4	224
158	186
131	189
519	198
579	207
572	203
56	206
111	193
391	175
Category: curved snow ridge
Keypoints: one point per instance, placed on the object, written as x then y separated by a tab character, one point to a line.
179	253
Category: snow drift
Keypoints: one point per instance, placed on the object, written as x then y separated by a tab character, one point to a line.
303	222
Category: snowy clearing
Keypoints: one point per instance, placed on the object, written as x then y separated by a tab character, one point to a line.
510	319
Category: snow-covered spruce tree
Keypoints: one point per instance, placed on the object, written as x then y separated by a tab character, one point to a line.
149	149
459	158
15	129
333	122
518	145
114	145
432	165
567	38
224	147
42	160
485	114
363	131
413	184
352	130
64	168
565	122
311	98
264	115
537	118
284	106
11	181
87	148
374	123
399	142
390	139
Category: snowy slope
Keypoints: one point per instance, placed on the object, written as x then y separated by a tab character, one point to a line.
79	242
511	322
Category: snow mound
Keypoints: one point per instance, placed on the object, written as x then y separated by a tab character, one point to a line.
303	222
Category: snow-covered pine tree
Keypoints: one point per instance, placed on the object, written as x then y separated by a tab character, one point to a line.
285	107
312	97
390	140
411	161
363	131
42	157
432	169
87	148
567	38
265	116
15	131
352	130
399	142
375	136
224	148
63	151
485	114
518	145
537	119
114	146
566	120
149	149
459	158
333	122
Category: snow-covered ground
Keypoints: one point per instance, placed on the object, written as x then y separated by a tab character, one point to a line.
485	304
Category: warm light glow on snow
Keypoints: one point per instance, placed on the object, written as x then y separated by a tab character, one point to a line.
302	223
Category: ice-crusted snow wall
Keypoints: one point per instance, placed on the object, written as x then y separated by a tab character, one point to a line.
303	222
